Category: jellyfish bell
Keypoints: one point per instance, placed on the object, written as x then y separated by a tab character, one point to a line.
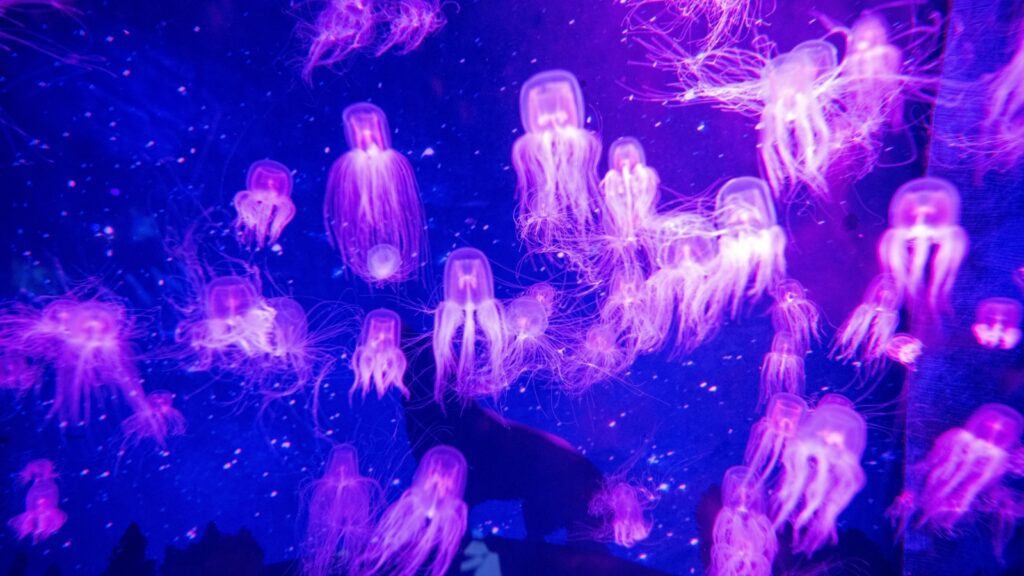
785	411
818	56
383	261
551	100
366	127
94	324
468	277
744	202
925	203
626	153
544	293
442	473
742	490
905	349
230	296
868	32
527	318
271	176
997	424
997	323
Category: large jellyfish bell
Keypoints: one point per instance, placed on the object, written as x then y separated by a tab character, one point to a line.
551	100
366	127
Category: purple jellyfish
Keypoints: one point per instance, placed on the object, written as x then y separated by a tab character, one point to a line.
342	28
531	347
155	417
783	368
627	308
625	508
233	324
378	359
905	349
770	434
42	516
997	323
598	356
866	334
794	313
265	207
409	23
871	78
744	539
372	209
630	196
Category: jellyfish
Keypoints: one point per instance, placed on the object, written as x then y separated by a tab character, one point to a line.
870	77
154	416
770	434
1004	118
751	245
599	356
378	359
744	541
630	191
625	508
997	323
372	209
265	207
708	24
821	474
234	323
866	334
555	162
783	368
421	532
794	313
42	516
924	228
342	28
905	349
409	23
529	346
469	304
627	308
340	514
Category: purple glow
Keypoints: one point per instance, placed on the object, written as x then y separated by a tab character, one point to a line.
744	539
378	359
341	29
770	434
625	507
409	22
630	190
794	313
154	417
866	334
997	323
42	516
265	207
783	368
905	349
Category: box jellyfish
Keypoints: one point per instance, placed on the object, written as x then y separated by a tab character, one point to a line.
630	191
997	323
469	305
265	207
871	78
770	434
155	417
42	516
378	359
744	540
866	334
924	228
627	307
555	162
783	368
821	474
409	24
341	509
598	356
905	349
529	346
1004	118
342	28
421	532
794	313
625	508
751	245
372	208
234	323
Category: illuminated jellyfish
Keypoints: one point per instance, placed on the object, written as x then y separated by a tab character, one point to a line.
341	29
555	162
421	532
155	417
469	305
409	24
378	359
372	208
783	368
866	334
341	509
997	323
770	434
42	516
821	474
966	469
744	541
624	506
234	323
682	286
597	357
797	138
627	307
265	207
751	245
870	77
529	346
794	313
1004	118
630	191
905	349
924	228
710	24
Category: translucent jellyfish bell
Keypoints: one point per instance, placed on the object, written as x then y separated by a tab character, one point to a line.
744	202
527	317
94	325
785	411
684	239
269	175
883	294
550	100
383	261
230	296
467	278
290	325
343	462
819	54
996	424
838	426
868	32
626	152
442	473
742	490
929	202
997	323
366	127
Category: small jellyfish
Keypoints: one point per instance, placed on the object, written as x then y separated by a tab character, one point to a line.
866	334
905	349
233	323
342	28
265	207
625	508
341	509
372	208
630	191
530	347
997	323
794	313
598	356
421	532
154	417
42	516
783	368
469	305
627	308
770	434
751	245
556	163
821	474
409	23
924	228
744	540
871	78
378	359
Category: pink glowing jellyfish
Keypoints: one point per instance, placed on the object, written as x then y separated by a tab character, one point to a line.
154	417
340	514
421	532
469	305
42	516
751	245
627	308
1004	119
378	359
265	207
866	334
625	507
555	162
905	349
709	24
821	474
770	434
966	470
409	22
794	313
744	540
631	193
341	29
372	209
924	228
997	323
871	78
234	324
598	356
530	346
783	368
